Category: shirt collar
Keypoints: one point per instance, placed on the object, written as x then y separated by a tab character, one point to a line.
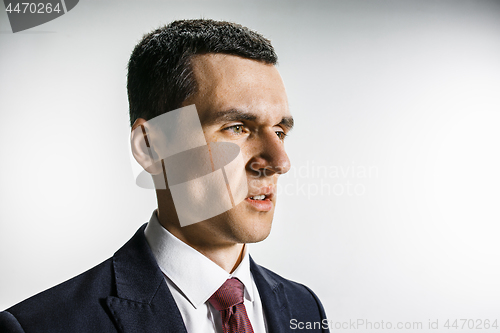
196	276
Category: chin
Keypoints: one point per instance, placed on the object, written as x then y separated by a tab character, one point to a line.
242	226
254	228
255	236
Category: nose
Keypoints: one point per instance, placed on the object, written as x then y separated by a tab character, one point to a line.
269	156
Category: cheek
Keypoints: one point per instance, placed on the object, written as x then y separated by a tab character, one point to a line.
249	150
210	135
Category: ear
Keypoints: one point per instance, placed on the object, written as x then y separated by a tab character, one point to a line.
143	153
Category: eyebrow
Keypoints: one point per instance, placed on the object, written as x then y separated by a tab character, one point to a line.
239	115
287	123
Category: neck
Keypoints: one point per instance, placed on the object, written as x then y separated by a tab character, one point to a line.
227	255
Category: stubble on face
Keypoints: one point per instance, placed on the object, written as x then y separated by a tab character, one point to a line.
235	91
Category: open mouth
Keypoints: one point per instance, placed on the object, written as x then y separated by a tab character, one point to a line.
261	202
259	197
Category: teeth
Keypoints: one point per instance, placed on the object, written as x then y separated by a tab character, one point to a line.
258	197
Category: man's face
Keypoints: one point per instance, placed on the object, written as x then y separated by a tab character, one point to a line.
243	101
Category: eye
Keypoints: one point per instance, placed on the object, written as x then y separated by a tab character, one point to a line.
236	129
281	135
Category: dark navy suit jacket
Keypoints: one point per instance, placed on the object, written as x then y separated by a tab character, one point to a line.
128	293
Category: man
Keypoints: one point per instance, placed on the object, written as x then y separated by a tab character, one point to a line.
198	277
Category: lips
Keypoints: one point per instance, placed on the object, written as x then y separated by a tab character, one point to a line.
262	200
261	196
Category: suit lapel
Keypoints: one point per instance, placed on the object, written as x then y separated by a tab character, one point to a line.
274	301
143	302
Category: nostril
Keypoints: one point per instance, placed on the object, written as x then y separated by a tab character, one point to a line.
283	167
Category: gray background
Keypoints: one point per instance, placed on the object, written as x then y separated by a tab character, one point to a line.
403	93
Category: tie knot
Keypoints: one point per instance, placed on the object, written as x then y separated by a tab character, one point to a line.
228	295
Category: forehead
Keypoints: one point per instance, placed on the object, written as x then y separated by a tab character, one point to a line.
227	82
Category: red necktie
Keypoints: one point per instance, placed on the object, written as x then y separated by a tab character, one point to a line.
228	300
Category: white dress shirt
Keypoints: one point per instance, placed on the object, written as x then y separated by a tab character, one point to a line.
192	278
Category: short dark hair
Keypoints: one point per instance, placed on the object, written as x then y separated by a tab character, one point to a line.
160	75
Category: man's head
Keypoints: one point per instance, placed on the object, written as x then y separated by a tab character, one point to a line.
228	72
160	73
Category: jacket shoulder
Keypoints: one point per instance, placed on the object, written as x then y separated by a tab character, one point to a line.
9	323
66	305
303	303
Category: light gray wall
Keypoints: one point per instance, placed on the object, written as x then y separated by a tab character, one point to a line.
391	210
